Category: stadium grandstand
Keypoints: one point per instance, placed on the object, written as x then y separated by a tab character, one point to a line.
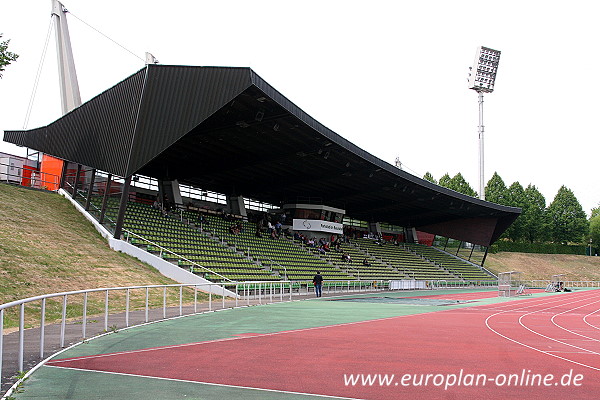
212	170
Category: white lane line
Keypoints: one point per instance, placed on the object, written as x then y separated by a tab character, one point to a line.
487	323
205	383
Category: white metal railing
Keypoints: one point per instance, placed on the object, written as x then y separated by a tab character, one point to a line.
535	284
332	286
259	291
445	284
543	283
120	309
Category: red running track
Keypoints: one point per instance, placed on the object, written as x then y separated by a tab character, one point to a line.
490	352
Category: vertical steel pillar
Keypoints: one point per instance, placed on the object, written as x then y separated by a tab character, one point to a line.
105	199
122	208
485	255
90	190
63	174
76	183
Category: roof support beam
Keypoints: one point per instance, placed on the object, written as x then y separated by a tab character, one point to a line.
122	208
90	190
105	199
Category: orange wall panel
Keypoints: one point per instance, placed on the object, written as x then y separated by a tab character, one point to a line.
50	172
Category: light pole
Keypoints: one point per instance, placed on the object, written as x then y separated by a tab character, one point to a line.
481	79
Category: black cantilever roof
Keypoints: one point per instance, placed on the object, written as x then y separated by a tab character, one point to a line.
227	130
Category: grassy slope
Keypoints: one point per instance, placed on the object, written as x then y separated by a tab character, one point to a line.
46	246
543	266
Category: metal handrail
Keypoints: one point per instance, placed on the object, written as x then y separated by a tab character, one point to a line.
353	269
38	182
258	258
128	232
259	288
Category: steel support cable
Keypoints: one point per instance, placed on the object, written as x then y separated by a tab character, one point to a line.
37	76
107	37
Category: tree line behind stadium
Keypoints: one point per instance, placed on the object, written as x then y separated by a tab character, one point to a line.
561	224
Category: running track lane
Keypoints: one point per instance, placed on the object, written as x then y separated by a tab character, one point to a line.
516	337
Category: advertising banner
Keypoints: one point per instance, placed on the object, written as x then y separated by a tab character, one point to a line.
316	225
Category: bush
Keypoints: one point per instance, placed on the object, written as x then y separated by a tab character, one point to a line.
539	248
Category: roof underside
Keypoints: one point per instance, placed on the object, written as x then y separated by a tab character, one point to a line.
228	131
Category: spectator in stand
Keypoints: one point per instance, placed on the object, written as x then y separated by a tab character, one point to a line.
259	227
366	262
157	205
337	246
202	220
167	205
278	228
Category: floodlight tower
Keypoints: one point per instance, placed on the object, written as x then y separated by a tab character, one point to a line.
481	79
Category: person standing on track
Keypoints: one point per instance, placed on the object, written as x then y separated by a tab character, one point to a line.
318	282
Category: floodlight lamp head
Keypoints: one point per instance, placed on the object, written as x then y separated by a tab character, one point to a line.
482	76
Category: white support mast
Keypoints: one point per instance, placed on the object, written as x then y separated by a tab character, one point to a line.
69	87
482	79
481	129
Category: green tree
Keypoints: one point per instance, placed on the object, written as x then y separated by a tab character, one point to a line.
459	184
445	181
495	190
6	57
567	218
429	177
515	197
534	216
595	211
595	231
